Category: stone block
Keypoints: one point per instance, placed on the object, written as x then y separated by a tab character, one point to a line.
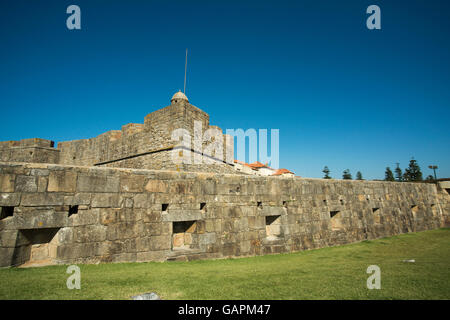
105	200
248	211
156	186
42	184
85	217
89	233
6	257
188	239
160	242
256	222
209	225
143	244
62	181
39	172
208	187
182	215
64	235
9	199
207	238
126	230
8	238
7	182
78	199
40	218
271	211
151	256
124	257
181	187
26	184
126	202
232	212
133	183
94	183
143	200
153	229
42	199
178	240
245	247
109	215
151	216
70	252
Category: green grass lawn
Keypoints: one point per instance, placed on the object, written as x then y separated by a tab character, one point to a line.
328	273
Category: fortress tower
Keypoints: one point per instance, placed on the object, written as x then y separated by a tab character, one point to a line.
136	145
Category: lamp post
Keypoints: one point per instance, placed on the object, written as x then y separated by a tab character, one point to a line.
434	170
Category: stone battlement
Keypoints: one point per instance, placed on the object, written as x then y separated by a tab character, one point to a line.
29	150
34	142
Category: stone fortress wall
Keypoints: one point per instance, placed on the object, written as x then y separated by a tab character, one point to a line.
120	197
145	146
73	214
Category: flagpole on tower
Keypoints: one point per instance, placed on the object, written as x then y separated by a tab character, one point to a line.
185	68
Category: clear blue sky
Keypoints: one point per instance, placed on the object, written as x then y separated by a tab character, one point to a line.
340	94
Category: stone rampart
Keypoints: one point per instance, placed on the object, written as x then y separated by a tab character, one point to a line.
67	214
145	145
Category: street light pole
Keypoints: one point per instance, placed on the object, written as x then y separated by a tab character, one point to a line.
434	170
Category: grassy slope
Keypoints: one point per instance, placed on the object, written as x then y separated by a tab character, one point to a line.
329	273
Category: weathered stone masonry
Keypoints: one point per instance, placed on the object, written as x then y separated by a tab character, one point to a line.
69	214
80	203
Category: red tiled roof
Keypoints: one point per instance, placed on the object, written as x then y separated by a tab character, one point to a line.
258	164
243	163
281	171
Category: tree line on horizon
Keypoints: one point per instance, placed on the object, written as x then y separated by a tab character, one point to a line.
411	174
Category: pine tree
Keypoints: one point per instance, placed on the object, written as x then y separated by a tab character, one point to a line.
346	175
413	173
398	173
359	176
326	171
388	175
